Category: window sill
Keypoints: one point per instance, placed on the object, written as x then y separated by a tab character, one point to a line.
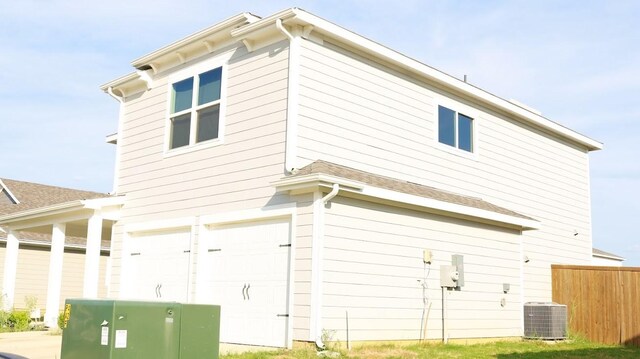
192	148
458	152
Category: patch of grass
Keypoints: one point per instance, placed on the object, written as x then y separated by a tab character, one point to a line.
575	348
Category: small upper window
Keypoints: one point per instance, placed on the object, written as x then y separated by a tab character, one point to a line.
455	129
195	109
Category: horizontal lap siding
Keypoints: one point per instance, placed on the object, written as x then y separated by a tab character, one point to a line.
361	114
302	264
212	179
232	176
32	277
373	263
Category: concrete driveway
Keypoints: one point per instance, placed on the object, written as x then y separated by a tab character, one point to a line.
32	345
46	345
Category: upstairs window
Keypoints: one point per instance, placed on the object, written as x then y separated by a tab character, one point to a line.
195	109
455	129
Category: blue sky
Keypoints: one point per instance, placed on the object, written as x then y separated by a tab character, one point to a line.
576	61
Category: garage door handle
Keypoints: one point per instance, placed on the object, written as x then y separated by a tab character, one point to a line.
248	286
244	288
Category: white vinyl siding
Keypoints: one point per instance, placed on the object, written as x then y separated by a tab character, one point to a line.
361	114
373	261
233	176
302	274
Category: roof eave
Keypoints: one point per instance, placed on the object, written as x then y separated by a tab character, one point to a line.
620	259
37	212
227	24
314	181
61	208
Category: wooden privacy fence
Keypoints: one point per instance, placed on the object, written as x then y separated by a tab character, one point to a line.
603	303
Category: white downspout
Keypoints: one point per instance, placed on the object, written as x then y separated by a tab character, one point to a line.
334	192
291	146
116	171
317	247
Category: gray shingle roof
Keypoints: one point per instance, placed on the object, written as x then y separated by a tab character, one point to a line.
598	252
35	195
402	186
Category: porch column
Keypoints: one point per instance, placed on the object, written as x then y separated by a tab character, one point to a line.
55	275
92	256
10	271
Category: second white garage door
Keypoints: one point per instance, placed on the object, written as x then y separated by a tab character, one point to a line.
245	269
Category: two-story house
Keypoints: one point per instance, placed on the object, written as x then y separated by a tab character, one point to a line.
313	182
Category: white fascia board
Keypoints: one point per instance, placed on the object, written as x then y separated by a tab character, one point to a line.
134	76
99	203
394	196
39	212
619	259
398	59
3	187
316	179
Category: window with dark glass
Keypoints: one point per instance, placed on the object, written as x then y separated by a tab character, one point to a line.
455	129
195	109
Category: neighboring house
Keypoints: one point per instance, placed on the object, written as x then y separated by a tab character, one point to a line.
602	258
310	180
26	254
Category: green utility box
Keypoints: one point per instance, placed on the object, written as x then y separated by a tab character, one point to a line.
114	329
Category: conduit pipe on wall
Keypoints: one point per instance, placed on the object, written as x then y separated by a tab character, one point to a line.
292	99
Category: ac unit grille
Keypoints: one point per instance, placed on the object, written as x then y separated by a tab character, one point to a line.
545	320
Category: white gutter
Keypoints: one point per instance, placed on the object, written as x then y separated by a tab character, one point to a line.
291	145
91	204
35	212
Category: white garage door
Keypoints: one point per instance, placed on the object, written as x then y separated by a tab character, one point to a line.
245	269
158	266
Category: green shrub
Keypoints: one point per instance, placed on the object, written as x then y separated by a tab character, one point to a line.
18	320
61	320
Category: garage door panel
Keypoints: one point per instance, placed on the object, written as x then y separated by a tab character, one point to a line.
245	269
158	266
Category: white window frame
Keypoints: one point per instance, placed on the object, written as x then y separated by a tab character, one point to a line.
466	110
194	71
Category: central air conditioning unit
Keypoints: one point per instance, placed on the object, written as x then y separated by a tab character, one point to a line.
545	320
